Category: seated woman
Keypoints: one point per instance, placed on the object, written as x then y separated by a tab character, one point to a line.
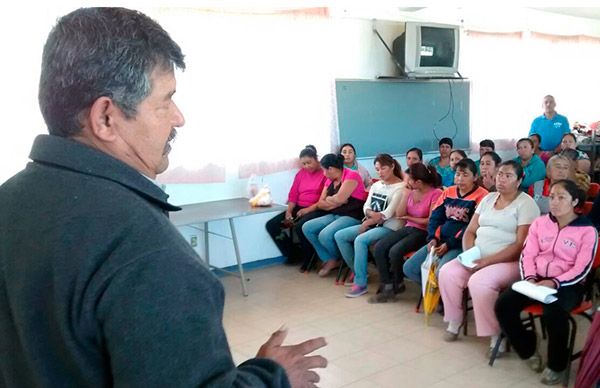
414	155
349	153
449	219
583	160
442	162
581	178
562	263
558	167
536	139
415	208
533	167
302	206
342	200
488	167
354	241
455	157
498	228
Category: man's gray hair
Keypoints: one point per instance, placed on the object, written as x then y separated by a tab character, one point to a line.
100	52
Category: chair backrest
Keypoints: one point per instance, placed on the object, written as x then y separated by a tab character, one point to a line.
593	191
587	207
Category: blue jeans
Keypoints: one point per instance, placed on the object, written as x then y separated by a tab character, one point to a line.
412	266
356	257
320	232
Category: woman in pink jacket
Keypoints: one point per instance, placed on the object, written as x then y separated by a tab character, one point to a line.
558	253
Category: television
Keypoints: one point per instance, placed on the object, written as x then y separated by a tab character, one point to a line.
428	50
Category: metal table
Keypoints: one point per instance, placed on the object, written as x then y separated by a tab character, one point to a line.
227	209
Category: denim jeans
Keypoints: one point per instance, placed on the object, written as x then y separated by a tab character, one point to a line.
320	232
354	248
412	266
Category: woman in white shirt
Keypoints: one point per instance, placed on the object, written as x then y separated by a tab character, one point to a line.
498	229
354	241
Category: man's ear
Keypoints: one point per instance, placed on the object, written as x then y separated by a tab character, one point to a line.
101	119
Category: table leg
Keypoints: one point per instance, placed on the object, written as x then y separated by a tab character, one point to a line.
237	256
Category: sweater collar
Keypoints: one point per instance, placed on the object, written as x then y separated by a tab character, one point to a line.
75	156
581	220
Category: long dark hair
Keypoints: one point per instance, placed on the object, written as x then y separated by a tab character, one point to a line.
426	174
575	191
387	160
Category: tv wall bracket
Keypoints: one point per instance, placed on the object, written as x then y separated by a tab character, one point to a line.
398	65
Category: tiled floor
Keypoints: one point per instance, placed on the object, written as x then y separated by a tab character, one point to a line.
386	345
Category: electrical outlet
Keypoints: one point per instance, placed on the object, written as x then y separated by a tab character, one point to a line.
194	241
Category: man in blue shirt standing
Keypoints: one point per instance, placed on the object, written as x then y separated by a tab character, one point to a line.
551	126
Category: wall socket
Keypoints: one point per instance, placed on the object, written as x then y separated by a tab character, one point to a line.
194	241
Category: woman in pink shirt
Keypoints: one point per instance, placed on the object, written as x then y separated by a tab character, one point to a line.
414	208
558	253
302	206
342	201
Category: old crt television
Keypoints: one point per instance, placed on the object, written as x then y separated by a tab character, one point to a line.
428	49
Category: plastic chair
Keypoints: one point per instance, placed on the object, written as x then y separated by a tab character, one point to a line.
593	191
536	310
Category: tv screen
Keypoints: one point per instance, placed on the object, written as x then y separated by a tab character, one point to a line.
437	47
428	50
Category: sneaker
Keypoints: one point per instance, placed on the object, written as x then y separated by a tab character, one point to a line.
383	297
356	291
350	280
329	266
550	377
535	362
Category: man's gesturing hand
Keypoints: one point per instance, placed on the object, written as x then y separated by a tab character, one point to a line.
294	358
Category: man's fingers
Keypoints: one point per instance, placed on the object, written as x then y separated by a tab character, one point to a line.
277	338
311	345
317	361
311	376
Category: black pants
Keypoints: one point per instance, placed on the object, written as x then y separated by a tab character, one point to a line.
390	252
556	319
284	241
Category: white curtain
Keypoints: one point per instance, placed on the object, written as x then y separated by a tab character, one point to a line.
511	73
257	89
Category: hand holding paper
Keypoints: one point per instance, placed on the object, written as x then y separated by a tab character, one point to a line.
540	293
468	257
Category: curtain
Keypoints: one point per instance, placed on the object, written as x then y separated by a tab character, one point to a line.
258	87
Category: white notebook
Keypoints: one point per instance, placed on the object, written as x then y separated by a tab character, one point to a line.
467	257
540	293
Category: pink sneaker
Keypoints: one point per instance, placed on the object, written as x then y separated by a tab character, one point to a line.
356	291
